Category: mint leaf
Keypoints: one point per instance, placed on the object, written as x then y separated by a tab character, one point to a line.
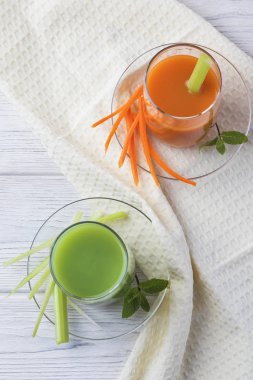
209	143
132	294
154	285
135	298
131	303
220	146
144	302
234	137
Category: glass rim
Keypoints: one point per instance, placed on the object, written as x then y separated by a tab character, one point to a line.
104	295
197	47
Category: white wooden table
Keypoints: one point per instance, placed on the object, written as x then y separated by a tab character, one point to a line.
31	188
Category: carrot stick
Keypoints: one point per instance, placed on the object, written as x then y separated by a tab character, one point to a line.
129	135
132	153
118	110
122	114
162	164
121	108
145	142
114	128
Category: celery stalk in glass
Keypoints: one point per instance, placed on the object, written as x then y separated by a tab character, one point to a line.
199	73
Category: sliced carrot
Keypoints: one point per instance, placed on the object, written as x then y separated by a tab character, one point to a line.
132	153
145	142
134	161
121	108
122	114
129	135
118	110
162	164
115	127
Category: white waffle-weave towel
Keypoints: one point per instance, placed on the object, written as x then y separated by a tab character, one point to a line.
59	63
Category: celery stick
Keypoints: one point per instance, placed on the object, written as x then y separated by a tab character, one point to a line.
112	217
81	312
47	296
39	283
38	248
78	217
199	73
96	215
31	275
60	316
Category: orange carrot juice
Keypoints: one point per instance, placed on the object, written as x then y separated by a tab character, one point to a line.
173	113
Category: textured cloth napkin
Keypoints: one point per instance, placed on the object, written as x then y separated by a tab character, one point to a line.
59	63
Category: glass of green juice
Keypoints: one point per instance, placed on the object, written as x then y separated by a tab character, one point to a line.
100	315
90	261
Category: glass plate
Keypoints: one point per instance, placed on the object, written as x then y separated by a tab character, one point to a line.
234	114
138	234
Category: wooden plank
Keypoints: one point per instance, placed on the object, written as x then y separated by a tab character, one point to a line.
15	144
26	201
233	18
23	357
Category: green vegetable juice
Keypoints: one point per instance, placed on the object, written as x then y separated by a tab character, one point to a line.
89	260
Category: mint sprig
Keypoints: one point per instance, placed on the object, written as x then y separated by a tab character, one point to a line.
136	297
226	137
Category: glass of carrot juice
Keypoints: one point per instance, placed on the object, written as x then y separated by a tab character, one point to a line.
172	112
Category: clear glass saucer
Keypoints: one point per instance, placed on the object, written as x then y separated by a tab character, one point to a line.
138	234
234	114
